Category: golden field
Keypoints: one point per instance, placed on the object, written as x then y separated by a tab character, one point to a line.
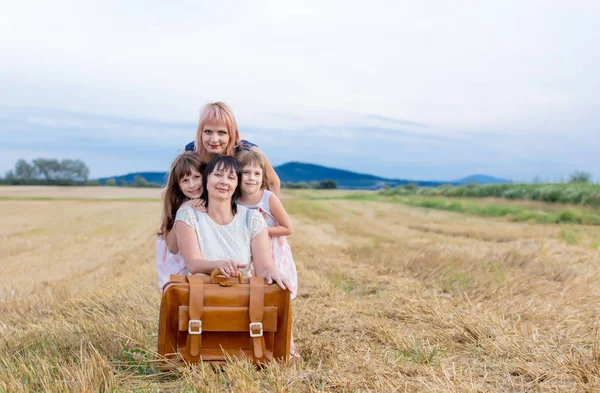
392	298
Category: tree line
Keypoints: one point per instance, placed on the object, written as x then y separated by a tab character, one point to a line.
316	185
48	171
66	172
75	172
578	191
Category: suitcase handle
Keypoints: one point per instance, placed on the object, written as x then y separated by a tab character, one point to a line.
227	282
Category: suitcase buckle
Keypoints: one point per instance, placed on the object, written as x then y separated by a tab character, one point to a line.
199	330
256	325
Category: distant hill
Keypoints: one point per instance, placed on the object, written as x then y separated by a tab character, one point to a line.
296	172
151	177
482	179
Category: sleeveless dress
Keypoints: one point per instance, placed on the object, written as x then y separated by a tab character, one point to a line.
166	262
280	249
230	241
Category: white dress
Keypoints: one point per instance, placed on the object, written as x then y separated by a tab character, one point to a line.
280	249
167	263
230	241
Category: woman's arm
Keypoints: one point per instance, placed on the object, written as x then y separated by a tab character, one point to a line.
263	261
171	238
284	223
272	178
192	256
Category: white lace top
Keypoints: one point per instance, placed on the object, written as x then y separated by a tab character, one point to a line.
231	241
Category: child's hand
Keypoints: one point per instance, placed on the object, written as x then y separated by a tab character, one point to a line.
197	204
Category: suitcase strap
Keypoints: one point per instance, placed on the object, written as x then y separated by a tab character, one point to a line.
256	310
196	302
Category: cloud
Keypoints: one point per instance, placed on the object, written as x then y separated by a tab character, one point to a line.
396	121
115	145
455	65
98	127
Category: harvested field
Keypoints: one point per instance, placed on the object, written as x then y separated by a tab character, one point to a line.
22	192
392	298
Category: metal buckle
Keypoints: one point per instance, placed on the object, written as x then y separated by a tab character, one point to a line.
258	325
190	329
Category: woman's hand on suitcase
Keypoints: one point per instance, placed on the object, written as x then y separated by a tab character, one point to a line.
229	268
274	275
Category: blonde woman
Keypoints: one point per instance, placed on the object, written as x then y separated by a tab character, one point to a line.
217	133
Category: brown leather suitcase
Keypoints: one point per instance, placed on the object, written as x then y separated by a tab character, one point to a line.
211	318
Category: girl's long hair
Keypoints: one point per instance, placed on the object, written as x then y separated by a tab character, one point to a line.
251	157
217	113
224	163
173	196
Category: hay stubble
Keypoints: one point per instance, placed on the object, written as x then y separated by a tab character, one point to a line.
392	298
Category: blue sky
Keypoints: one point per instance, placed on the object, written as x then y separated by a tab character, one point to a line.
432	91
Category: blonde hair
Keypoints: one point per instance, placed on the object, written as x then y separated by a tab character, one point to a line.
255	158
217	113
173	196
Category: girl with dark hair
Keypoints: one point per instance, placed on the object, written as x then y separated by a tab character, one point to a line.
183	186
227	237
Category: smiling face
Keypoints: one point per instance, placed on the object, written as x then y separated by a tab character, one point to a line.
252	179
221	183
215	138
191	185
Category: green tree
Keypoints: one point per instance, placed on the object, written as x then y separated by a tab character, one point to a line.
9	178
327	185
140	181
111	182
75	170
24	170
580	177
49	169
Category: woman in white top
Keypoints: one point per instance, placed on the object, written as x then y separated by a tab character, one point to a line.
227	237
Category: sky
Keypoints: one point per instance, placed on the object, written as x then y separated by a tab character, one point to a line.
429	90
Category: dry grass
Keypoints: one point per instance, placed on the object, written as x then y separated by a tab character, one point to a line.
392	298
78	192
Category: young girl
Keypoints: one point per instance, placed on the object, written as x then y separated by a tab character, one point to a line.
217	133
184	186
256	195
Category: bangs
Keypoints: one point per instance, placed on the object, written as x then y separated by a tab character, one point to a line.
216	116
182	171
223	163
252	158
255	163
225	167
188	162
